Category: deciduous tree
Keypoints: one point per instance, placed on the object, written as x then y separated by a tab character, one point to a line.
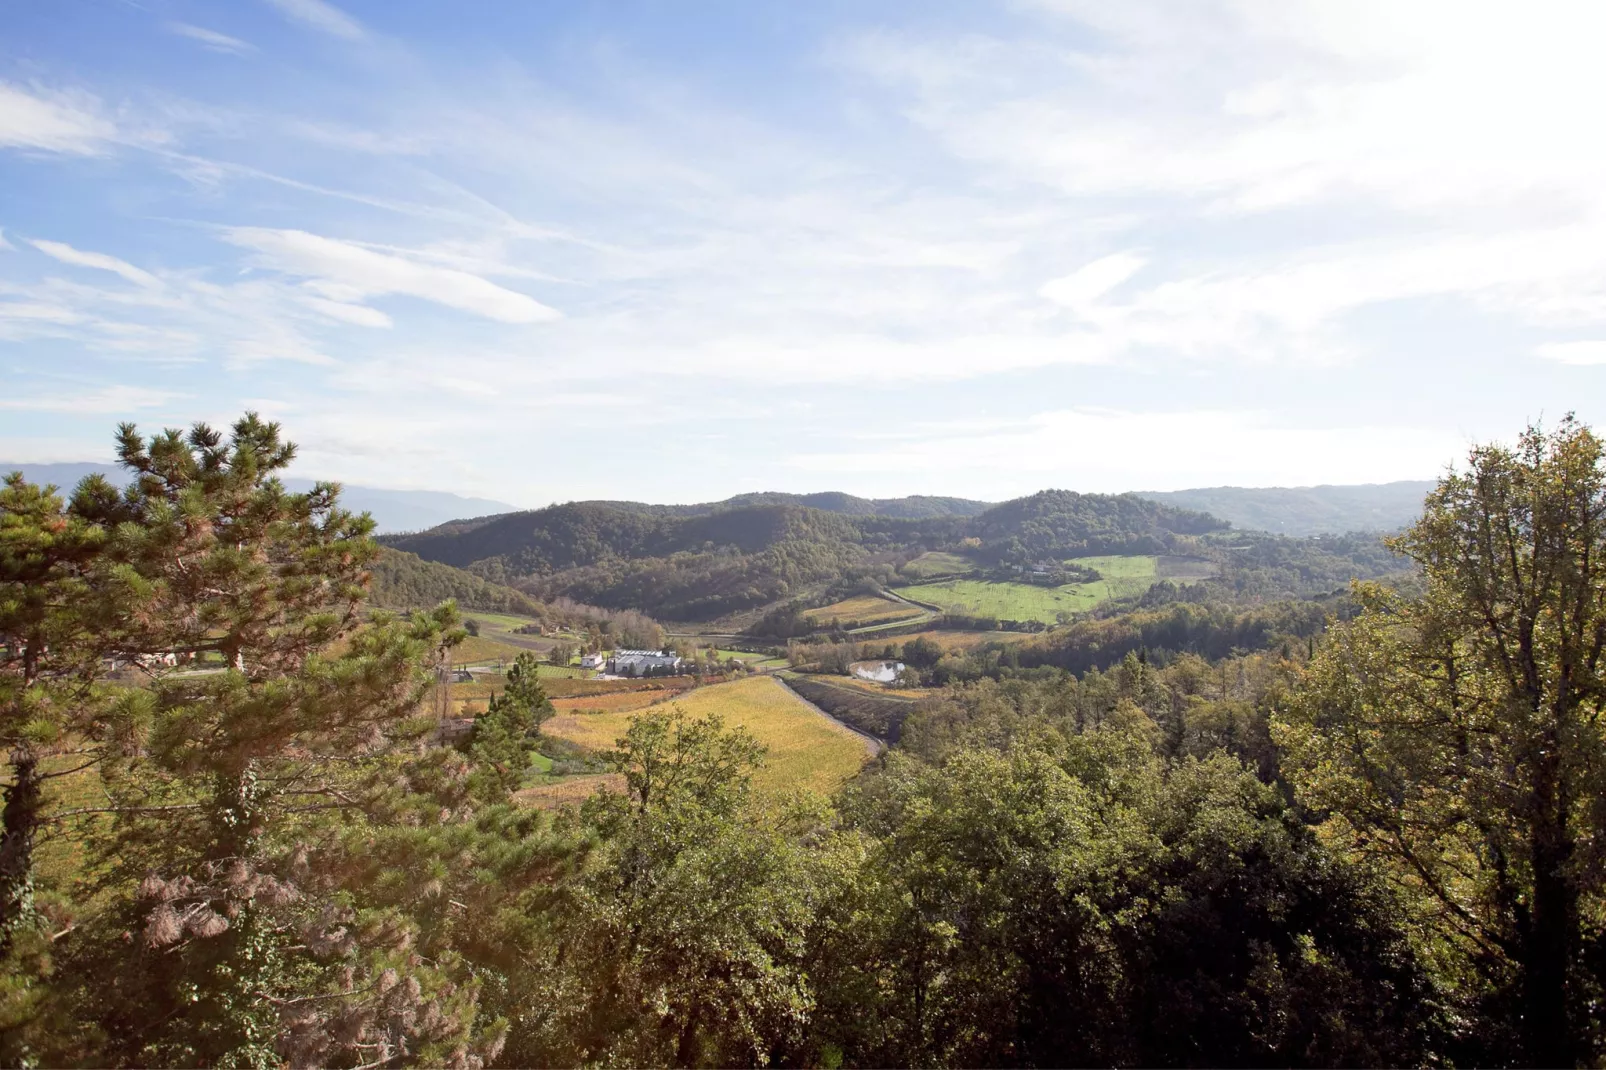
1457	737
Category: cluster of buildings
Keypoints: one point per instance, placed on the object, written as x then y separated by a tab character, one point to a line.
641	663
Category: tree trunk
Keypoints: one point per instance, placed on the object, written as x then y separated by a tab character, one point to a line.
1548	1028
20	821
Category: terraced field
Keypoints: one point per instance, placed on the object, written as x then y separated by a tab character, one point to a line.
863	609
805	749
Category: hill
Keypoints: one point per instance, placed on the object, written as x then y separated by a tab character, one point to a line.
1323	510
406	581
392	510
701	567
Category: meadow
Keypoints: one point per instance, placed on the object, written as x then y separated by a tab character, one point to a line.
1123	577
935	563
805	749
1006	601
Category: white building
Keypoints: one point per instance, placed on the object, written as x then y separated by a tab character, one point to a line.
592	661
643	663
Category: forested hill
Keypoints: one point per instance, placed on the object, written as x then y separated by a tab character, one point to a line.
588	533
698	567
406	581
1324	510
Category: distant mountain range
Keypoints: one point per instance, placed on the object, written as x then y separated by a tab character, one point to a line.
1321	510
1324	510
392	510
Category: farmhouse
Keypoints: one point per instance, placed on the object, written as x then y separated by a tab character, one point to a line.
643	663
592	661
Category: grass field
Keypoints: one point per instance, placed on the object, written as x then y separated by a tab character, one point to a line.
933	564
478	649
1006	601
1124	577
804	749
864	608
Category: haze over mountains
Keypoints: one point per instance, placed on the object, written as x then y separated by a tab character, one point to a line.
392	510
1320	510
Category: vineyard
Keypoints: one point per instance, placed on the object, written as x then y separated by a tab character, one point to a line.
804	749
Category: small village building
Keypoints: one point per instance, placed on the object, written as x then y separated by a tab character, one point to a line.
592	661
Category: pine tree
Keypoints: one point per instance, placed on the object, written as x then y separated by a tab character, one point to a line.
254	772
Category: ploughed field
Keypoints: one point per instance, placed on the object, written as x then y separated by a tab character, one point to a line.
805	748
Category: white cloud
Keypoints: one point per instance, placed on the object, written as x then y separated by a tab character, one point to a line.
211	40
321	16
344	272
106	400
100	261
1084	286
359	315
1157	451
1588	351
55	122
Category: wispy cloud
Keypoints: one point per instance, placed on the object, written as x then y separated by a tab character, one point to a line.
53	121
348	273
1588	351
102	400
211	40
1158	451
100	261
321	16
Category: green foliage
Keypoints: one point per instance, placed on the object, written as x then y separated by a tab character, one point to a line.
1456	739
1070	901
504	736
685	944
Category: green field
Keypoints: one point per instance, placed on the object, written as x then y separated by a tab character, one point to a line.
1124	577
1006	601
936	564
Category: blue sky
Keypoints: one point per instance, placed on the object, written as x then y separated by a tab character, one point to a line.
675	251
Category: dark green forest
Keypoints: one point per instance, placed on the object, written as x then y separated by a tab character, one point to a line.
1275	818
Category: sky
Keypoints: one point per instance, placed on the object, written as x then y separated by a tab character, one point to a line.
675	251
